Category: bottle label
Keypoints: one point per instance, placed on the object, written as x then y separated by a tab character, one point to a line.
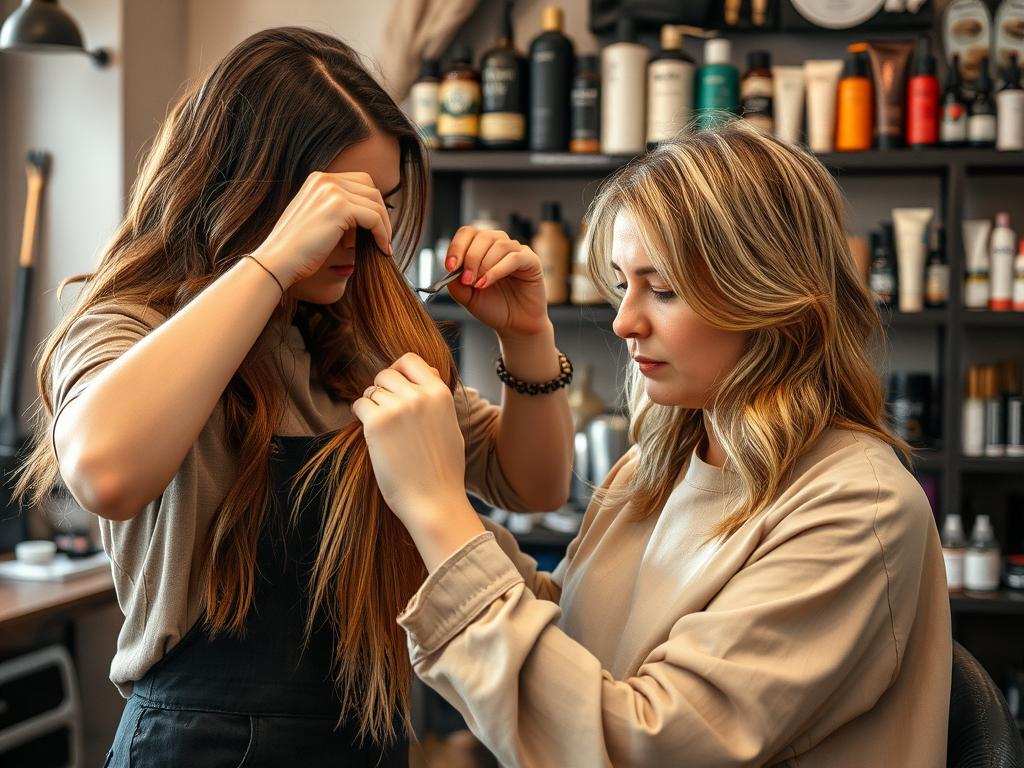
922	111
460	104
981	128
953	129
584	101
426	107
669	99
502	126
973	428
1010	119
1001	275
954	561
981	571
937	285
500	89
883	285
976	291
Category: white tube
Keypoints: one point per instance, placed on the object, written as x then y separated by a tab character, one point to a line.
822	77
976	233
911	226
788	102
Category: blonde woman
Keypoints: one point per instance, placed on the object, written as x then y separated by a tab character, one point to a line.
760	580
197	398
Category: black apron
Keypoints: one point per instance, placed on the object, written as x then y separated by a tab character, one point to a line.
266	699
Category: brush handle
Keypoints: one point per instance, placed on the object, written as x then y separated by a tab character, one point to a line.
10	378
31	228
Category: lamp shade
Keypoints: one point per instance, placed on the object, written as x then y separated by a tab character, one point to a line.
43	26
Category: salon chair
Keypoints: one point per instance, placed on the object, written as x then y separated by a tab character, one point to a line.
982	732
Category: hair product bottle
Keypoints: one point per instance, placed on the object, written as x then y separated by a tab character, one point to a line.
553	248
623	92
982	560
503	83
954	547
981	112
458	124
670	76
756	91
936	281
1010	108
822	76
973	424
992	392
426	104
717	83
976	288
953	121
585	107
855	120
1018	279
882	281
1002	250
788	102
923	99
551	74
1013	408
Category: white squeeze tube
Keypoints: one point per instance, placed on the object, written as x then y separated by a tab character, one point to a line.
822	81
788	102
911	254
976	232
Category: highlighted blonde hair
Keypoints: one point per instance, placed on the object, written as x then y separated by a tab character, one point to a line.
750	233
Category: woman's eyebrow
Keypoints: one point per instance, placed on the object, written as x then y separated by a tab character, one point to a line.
640	272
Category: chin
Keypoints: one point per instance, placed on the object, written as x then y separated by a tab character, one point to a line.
325	294
661	396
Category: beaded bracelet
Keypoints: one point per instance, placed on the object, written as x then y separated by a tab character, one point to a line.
526	388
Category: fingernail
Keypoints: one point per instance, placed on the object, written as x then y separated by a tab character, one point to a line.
450	264
467	278
391	251
480	283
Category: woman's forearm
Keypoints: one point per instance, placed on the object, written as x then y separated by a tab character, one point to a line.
535	437
122	440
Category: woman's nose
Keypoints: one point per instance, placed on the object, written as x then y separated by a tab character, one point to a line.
348	238
630	322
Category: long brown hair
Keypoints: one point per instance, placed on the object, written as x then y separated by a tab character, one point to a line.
226	162
750	232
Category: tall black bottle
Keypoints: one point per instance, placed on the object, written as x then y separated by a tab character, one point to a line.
551	72
503	103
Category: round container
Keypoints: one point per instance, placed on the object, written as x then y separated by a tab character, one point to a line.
1013	572
35	552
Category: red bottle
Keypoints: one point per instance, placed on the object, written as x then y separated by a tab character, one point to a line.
923	99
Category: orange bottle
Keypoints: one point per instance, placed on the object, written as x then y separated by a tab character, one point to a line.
855	124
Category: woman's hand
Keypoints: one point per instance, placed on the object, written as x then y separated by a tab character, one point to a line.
326	207
419	456
502	284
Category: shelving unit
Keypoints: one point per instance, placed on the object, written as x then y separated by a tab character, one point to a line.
955	170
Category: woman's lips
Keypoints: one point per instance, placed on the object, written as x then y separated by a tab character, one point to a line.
648	366
343	270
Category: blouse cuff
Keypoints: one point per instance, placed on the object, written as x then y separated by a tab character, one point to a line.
457	592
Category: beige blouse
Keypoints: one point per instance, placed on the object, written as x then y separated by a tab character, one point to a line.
157	555
816	635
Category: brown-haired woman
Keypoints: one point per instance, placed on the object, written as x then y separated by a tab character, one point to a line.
760	580
197	398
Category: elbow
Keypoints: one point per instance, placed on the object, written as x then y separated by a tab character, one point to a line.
98	488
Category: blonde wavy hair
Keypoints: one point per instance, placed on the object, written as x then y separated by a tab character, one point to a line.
750	233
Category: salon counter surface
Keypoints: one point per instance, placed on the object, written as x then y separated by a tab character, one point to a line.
28	607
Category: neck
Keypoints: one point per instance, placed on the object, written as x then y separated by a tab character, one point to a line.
710	450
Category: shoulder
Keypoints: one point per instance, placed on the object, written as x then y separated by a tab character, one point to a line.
113	320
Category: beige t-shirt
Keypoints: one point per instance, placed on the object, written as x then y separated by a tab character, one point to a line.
816	636
157	555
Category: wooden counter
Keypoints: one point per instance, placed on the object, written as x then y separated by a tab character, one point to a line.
29	607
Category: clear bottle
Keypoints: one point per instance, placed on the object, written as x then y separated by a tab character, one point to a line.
1002	250
670	75
756	91
982	559
954	547
458	125
553	248
953	119
503	84
426	103
551	73
1010	108
981	112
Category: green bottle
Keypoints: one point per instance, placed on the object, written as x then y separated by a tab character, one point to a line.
718	83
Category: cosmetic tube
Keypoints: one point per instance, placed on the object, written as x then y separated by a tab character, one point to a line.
976	232
972	431
788	102
889	68
822	77
911	253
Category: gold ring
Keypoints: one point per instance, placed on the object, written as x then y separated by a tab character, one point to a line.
368	393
